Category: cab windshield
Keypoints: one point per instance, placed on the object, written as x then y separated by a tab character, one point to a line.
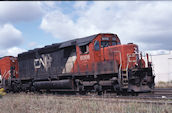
104	43
108	43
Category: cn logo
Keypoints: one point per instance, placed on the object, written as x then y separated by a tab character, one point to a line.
45	61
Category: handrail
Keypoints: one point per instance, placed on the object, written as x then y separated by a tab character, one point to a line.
129	55
119	73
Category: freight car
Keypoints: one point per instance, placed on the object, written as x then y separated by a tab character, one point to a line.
8	70
97	63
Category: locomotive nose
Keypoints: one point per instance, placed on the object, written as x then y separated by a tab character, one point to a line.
125	55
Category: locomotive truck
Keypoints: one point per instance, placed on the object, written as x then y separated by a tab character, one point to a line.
97	63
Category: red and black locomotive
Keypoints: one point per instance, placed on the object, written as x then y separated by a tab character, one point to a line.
96	63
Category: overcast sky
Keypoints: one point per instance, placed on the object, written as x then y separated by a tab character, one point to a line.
28	25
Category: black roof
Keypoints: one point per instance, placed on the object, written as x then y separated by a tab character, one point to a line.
78	41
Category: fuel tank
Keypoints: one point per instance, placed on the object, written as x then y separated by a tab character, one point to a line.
60	84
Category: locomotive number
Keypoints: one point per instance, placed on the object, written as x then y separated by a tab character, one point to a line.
85	57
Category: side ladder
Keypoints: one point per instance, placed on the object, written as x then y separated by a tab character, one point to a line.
125	79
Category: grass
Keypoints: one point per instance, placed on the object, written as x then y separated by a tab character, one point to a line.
34	103
162	84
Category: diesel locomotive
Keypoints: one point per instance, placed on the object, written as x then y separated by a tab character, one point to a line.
97	63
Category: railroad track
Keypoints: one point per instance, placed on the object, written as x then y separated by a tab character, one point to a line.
163	91
159	93
116	99
158	96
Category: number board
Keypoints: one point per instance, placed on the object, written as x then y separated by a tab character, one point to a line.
105	38
113	39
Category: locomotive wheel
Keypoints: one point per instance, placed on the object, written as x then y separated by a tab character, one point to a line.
133	93
118	93
124	92
32	89
15	89
98	89
100	93
81	90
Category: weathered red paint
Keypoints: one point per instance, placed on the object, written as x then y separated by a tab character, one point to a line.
5	66
87	62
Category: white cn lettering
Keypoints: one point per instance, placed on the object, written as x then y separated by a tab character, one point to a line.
45	61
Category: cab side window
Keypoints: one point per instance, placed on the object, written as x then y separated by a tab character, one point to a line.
96	46
84	49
